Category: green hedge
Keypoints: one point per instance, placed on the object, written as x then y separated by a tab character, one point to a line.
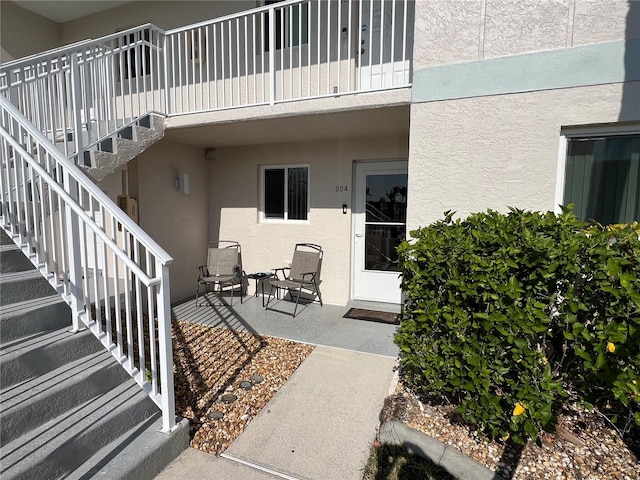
511	315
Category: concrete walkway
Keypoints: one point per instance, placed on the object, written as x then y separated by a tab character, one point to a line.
319	426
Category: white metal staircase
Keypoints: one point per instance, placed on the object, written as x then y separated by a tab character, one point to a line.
67	408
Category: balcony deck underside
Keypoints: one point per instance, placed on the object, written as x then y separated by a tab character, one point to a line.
348	116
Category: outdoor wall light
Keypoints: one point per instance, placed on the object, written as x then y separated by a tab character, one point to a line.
182	183
344	208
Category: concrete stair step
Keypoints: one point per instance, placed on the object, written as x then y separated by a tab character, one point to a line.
12	259
62	445
140	454
28	405
29	358
33	317
5	239
25	285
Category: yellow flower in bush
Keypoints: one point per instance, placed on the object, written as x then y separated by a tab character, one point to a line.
611	347
518	410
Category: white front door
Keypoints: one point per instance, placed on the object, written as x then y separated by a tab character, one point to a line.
379	225
383	55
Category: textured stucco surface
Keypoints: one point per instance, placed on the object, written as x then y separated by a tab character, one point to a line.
104	163
178	222
455	31
234	198
471	154
524	26
596	21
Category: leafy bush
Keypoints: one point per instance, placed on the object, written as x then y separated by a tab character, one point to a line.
512	315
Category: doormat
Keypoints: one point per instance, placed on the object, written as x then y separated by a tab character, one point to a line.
373	316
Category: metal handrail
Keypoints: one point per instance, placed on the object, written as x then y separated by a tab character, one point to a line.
44	198
79	211
74	47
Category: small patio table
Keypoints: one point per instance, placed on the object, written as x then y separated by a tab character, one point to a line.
260	277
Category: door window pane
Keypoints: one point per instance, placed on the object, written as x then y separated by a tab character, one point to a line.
380	247
385	218
602	178
386	198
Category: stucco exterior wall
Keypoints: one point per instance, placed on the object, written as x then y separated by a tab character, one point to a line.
24	33
234	185
471	154
455	31
177	221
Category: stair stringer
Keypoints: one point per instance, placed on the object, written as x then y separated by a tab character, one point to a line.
123	150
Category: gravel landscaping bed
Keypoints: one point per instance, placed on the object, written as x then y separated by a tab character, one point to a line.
211	363
585	445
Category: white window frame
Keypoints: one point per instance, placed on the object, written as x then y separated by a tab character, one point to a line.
263	218
582	132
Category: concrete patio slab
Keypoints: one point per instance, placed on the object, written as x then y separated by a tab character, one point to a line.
315	324
322	422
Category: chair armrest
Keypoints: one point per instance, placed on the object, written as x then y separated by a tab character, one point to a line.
280	269
203	271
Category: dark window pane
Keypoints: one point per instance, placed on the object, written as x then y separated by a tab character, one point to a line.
380	247
297	199
274	193
287	31
387	198
602	178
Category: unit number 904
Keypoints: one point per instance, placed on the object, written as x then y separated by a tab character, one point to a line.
342	188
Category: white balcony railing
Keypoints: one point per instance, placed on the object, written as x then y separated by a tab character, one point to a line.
297	49
289	51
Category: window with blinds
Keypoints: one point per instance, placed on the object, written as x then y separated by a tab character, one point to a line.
286	193
602	178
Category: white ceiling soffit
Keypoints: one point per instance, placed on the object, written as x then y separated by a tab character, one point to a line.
61	11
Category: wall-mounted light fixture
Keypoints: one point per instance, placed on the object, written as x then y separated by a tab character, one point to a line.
344	208
182	183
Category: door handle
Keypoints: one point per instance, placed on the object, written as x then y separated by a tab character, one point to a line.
359	235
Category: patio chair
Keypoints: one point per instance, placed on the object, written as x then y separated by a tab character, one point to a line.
304	274
223	269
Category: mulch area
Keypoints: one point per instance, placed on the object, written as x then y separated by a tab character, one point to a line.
211	362
584	447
